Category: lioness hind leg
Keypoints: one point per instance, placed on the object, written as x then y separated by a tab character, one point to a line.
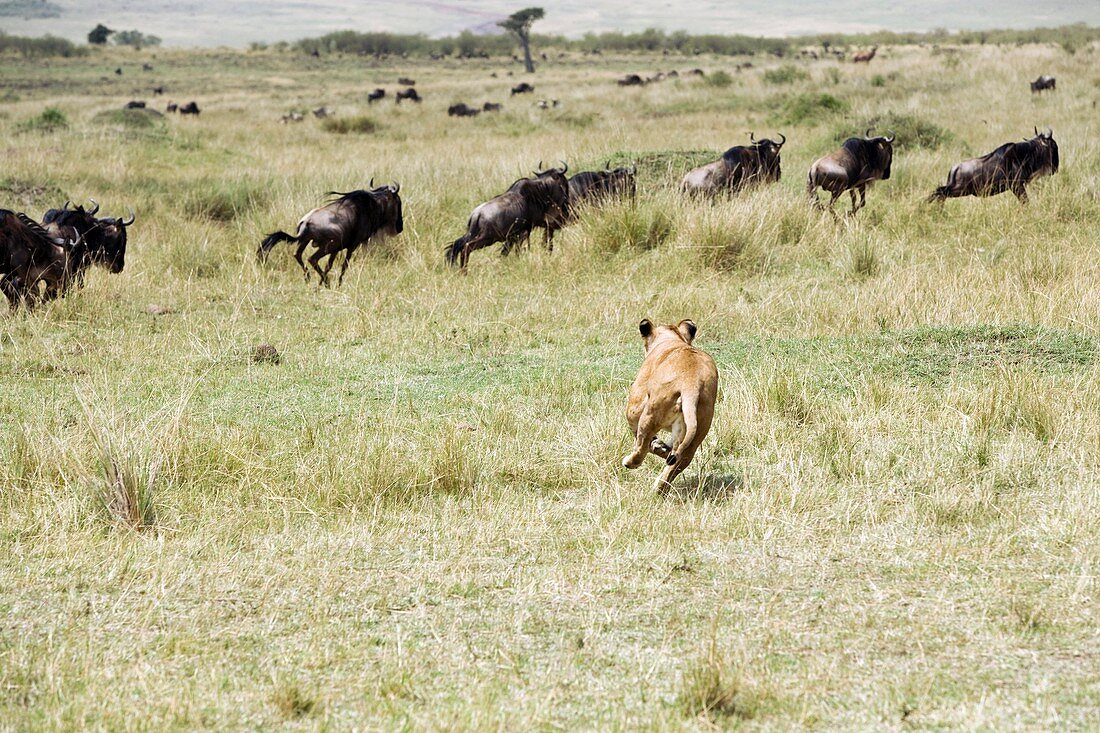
660	448
643	438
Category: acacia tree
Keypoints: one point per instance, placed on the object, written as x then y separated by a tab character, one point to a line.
519	23
99	34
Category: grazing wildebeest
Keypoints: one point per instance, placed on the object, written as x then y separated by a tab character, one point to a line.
462	110
697	72
104	238
1043	82
29	255
406	81
857	164
374	96
631	80
135	105
191	108
740	166
158	91
864	57
172	107
522	88
118	71
292	117
492	107
344	224
146	67
1008	168
542	201
409	94
323	112
597	186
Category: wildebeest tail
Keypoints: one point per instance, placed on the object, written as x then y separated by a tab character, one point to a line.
943	192
270	241
454	249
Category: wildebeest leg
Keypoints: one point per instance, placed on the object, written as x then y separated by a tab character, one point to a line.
314	260
298	256
548	238
862	196
1021	193
344	267
832	200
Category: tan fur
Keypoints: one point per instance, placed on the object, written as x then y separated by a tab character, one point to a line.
675	391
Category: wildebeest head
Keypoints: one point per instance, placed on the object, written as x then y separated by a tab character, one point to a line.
873	152
551	187
768	152
1044	151
111	252
104	239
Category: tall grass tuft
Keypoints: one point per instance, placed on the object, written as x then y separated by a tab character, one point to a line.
1014	401
624	226
712	687
50	119
225	200
720	79
785	74
360	125
810	108
124	491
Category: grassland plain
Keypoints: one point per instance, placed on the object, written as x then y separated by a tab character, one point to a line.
417	518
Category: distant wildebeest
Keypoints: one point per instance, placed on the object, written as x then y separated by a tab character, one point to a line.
406	81
118	71
374	96
522	88
157	91
740	166
857	164
104	238
191	108
492	107
1008	168
462	110
29	255
344	224
135	105
172	107
1043	82
697	72
409	94
548	104
631	80
146	67
323	112
596	186
292	117
864	57
542	201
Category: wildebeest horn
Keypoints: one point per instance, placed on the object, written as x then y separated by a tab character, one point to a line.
607	166
67	205
781	142
1036	131
538	168
564	166
1050	133
891	137
131	220
752	137
94	211
868	133
371	184
395	187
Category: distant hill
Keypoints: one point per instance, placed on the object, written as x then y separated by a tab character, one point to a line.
240	22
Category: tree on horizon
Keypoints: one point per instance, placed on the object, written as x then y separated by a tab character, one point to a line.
520	23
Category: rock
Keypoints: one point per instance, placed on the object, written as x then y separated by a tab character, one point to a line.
265	354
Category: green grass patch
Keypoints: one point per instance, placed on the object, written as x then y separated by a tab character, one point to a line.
720	79
129	119
809	108
50	119
223	201
785	74
912	132
358	125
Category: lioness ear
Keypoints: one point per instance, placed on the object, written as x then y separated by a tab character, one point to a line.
645	328
687	329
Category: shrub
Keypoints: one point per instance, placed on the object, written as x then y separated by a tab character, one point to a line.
808	108
50	120
912	132
345	125
785	74
624	226
719	79
878	80
223	200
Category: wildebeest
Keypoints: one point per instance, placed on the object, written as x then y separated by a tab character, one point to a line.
292	117
191	108
548	104
30	255
323	112
596	186
864	57
104	238
542	201
344	224
740	166
374	96
857	164
132	104
172	107
1043	82
409	94
146	67
631	80
462	110
406	81
118	71
158	91
1008	168
522	88
492	107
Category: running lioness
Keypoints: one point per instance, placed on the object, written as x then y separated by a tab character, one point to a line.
675	390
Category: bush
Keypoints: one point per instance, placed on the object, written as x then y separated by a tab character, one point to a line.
878	80
808	108
45	46
137	39
719	79
50	120
223	201
625	226
130	119
344	125
913	132
785	74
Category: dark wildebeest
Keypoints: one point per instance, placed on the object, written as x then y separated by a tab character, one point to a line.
857	164
597	186
631	80
172	107
323	112
1008	168
864	57
409	94
135	105
191	108
1043	82
353	219
104	239
522	88
158	91
542	201
30	255
492	107
406	81
374	96
462	110
739	167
